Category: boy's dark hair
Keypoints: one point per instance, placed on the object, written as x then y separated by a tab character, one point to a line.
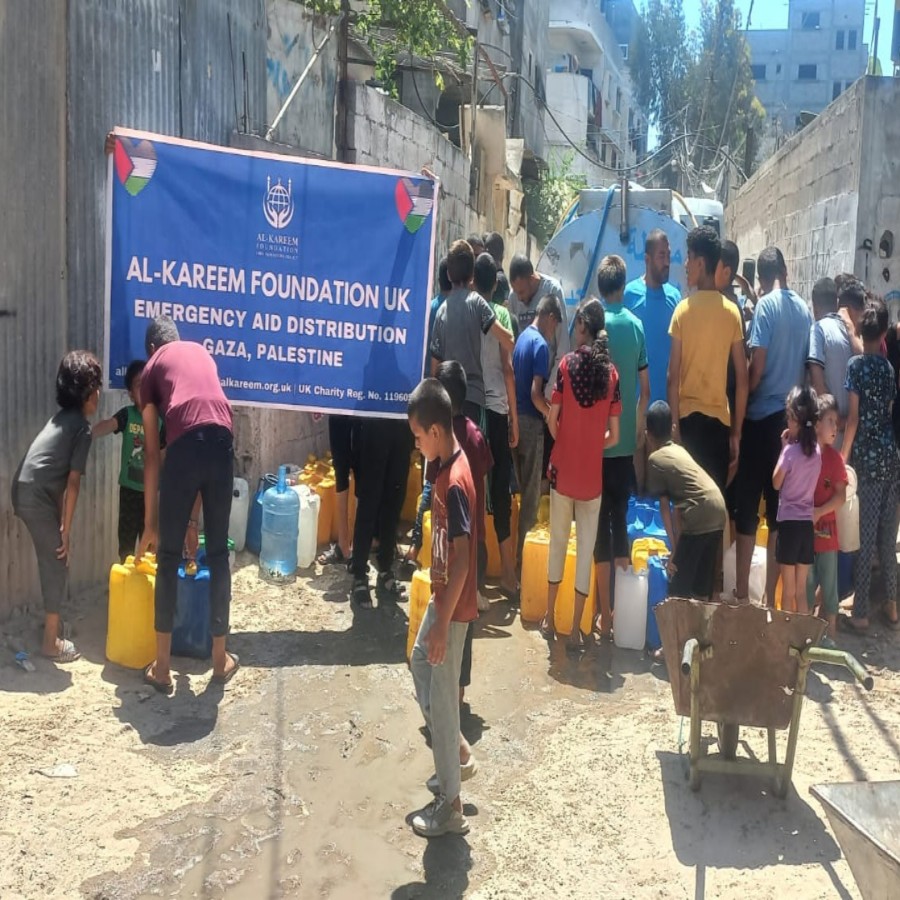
443	277
475	241
452	377
803	404
659	421
851	293
493	244
655	237
460	263
824	295
429	404
611	275
731	257
827	404
874	322
520	267
771	264
135	367
162	330
485	275
78	376
704	243
548	305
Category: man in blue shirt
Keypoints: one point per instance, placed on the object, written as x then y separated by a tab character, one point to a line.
531	365
653	300
779	341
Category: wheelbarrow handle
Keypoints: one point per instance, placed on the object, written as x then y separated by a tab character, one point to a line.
842	658
690	648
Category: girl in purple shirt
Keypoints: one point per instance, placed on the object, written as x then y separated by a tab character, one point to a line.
795	477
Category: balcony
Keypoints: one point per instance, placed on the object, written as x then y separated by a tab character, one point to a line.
578	26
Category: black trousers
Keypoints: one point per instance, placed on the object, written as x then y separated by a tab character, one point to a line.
383	465
501	475
131	520
707	440
200	461
618	485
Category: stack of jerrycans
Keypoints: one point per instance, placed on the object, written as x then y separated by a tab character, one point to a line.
130	634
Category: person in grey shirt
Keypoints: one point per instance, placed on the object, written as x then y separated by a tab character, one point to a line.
527	289
459	325
833	340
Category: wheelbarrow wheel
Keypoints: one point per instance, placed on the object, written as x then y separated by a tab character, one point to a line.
728	739
695	778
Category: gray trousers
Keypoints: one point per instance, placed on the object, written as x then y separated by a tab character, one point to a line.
437	690
40	513
529	458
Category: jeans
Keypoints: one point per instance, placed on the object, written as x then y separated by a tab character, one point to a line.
200	461
529	458
437	690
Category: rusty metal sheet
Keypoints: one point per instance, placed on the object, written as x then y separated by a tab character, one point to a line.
750	677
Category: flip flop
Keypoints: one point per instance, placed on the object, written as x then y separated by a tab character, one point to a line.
511	595
164	687
548	632
68	652
224	679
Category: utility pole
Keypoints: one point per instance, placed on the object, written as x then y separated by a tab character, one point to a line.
342	115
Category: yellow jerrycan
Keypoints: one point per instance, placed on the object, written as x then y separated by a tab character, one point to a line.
130	633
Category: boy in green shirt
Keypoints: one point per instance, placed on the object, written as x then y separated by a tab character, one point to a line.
128	422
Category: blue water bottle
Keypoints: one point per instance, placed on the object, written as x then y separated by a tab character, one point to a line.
254	518
280	524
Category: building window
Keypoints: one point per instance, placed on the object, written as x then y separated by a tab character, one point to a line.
839	40
618	100
758	72
835	90
807	72
778	68
624	50
809	21
851	39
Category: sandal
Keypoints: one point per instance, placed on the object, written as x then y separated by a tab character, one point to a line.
67	653
164	687
893	624
332	556
509	594
224	679
385	583
575	644
846	623
360	594
548	632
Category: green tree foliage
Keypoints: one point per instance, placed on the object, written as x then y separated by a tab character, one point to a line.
546	200
391	27
698	87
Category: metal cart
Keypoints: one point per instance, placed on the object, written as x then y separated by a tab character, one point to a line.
742	665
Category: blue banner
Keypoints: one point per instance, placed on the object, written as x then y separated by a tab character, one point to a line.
308	282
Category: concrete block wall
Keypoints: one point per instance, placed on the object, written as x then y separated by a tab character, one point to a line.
805	199
383	133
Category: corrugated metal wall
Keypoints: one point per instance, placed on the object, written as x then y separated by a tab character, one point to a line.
32	253
159	65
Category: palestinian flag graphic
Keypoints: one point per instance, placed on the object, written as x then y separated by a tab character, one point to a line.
135	164
414	203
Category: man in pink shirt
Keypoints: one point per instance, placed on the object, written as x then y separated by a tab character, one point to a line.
181	383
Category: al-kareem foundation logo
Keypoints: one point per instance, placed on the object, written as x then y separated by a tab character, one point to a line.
278	204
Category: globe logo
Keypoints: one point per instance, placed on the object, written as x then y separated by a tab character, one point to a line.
278	204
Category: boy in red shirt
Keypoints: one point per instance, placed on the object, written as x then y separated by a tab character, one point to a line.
437	655
830	496
453	378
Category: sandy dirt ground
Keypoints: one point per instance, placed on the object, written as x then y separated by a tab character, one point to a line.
297	778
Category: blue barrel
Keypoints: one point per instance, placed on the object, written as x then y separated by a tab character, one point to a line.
254	517
191	634
657	589
280	526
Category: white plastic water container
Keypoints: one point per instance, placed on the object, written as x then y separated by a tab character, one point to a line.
240	507
757	574
310	503
630	620
848	517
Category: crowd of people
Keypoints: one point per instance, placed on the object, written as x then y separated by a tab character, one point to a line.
710	402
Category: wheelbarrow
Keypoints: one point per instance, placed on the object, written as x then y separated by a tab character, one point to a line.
742	665
863	817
